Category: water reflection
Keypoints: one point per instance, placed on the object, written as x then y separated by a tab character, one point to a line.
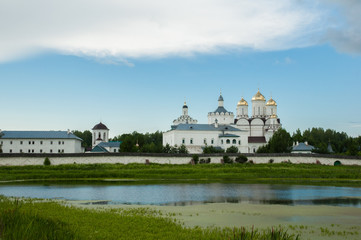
190	194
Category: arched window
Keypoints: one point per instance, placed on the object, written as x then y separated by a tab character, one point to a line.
239	142
183	141
205	141
99	136
228	141
271	111
212	141
104	137
222	141
234	141
191	141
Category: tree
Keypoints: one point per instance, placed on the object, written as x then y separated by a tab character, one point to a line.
86	136
232	149
280	142
211	149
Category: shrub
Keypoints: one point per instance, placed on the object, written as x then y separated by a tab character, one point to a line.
195	159
241	159
205	161
232	149
47	162
271	161
227	159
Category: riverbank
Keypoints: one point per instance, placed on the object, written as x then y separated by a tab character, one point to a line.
282	173
309	222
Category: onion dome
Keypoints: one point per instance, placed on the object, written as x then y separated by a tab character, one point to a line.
242	102
271	102
220	98
185	105
258	97
100	126
274	116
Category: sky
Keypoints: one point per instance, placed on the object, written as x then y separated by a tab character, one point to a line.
132	64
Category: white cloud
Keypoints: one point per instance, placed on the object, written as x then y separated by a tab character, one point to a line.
158	28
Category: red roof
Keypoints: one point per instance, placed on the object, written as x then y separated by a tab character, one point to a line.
100	126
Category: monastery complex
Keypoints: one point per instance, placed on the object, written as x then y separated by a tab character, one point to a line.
224	129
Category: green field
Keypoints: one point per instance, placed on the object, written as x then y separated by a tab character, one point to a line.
28	219
247	173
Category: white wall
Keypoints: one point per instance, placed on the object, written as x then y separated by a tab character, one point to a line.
92	159
41	146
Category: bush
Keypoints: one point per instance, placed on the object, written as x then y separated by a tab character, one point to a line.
241	159
211	149
232	149
47	162
227	159
195	159
205	161
271	161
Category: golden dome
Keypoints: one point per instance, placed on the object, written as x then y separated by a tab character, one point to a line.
242	102
271	102
258	97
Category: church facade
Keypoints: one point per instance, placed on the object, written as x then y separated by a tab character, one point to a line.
224	129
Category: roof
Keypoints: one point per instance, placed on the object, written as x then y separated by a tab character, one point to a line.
220	98
204	127
98	148
220	110
39	135
228	135
257	140
110	144
100	126
302	147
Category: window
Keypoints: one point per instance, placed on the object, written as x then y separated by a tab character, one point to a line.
32	150
259	111
183	141
242	111
29	151
212	141
115	150
59	142
205	141
11	150
41	150
11	142
239	142
104	137
51	150
21	142
222	141
51	142
21	151
234	141
62	150
41	142
191	141
33	142
254	150
62	142
271	111
58	150
29	142
228	141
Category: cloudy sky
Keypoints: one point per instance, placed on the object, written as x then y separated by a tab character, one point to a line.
130	64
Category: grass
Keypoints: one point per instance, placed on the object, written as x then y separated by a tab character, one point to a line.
29	219
257	173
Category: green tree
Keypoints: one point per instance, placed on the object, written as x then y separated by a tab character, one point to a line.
86	136
280	142
211	149
232	149
182	149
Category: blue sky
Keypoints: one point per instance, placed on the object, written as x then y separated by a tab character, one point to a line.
134	72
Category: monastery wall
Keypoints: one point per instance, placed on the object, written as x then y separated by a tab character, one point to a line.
126	158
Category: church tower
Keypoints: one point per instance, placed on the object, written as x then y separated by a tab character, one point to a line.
242	109
100	134
184	118
258	105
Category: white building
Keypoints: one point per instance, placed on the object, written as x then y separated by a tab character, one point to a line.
40	142
100	140
225	130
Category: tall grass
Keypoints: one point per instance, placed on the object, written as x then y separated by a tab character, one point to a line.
27	219
208	172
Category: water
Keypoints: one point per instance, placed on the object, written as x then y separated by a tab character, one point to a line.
186	194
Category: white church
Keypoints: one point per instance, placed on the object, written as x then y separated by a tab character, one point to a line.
224	130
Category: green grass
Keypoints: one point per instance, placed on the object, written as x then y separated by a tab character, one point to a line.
250	173
27	219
